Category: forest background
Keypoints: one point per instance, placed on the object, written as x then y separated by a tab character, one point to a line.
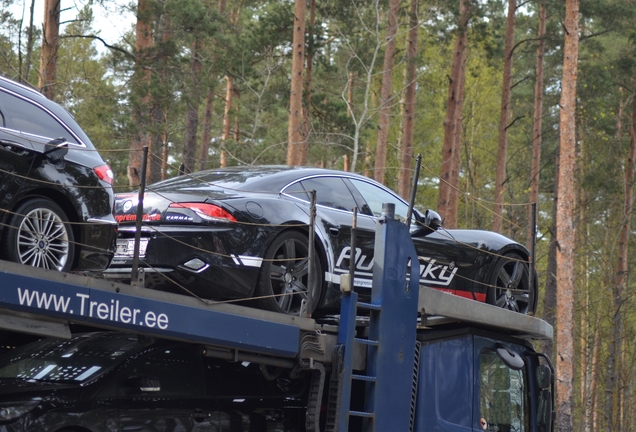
477	87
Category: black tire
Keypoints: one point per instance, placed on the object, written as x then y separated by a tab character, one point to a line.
39	235
510	286
283	279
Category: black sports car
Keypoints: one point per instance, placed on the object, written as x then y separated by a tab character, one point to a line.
242	232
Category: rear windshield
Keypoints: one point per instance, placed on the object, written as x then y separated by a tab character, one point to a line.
239	180
76	360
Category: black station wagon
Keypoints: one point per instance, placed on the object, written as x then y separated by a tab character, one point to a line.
56	195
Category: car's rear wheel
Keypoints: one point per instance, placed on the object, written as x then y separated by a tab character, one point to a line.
510	286
39	234
283	282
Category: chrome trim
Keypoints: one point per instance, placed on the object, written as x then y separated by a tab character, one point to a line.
348	177
102	221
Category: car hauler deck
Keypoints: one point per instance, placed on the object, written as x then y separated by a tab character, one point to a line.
410	359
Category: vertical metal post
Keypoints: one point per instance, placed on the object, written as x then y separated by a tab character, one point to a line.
416	176
352	252
311	277
134	274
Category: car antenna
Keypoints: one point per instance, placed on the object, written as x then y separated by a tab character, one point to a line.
416	175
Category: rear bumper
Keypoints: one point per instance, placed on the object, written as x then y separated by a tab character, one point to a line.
97	248
200	261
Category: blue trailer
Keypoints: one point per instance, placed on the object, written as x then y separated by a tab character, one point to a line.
411	359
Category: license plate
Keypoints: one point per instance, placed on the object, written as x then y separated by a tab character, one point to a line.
126	248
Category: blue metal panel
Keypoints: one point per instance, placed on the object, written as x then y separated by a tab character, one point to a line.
126	312
434	401
346	334
392	362
454	383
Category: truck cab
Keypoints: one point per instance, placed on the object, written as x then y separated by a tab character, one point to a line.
475	380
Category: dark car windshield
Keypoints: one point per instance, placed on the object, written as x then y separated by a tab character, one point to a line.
243	178
76	360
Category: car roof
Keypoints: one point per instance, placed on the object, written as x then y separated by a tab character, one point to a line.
255	178
56	109
21	89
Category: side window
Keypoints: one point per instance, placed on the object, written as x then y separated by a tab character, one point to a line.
178	370
503	396
331	192
375	197
297	191
33	120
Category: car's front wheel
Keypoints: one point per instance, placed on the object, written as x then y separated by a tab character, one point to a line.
39	235
510	286
283	282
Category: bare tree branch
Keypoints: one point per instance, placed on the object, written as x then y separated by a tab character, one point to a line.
112	47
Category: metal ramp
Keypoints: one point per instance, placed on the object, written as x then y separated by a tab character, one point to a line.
390	344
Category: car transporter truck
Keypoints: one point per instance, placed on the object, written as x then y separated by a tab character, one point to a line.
410	359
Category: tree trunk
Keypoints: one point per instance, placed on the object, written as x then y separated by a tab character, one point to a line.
350	94
50	42
295	138
304	148
140	91
30	41
592	424
157	104
550	296
164	155
192	109
404	176
386	90
458	133
537	125
619	283
226	118
449	177
565	221
206	134
506	90
206	127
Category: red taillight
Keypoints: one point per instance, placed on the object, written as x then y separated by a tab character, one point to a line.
104	173
206	211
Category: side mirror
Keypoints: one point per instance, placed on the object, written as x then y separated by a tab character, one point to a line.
544	411
544	376
433	220
545	402
510	358
58	148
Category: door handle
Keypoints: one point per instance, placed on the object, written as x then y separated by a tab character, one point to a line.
16	148
334	231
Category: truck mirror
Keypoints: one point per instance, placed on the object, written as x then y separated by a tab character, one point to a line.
544	411
510	359
544	376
